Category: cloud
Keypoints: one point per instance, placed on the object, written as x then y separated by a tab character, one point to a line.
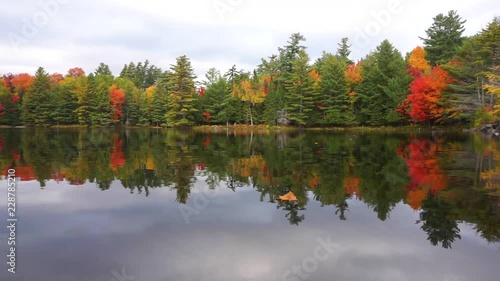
116	32
75	233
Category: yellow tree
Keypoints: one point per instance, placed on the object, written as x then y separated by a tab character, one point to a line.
252	93
493	85
417	60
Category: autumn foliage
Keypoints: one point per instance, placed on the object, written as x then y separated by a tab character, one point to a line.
56	78
76	71
423	168
352	186
117	156
207	115
353	76
423	104
117	101
22	82
353	73
201	92
417	60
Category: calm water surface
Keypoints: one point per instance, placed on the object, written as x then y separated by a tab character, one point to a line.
151	205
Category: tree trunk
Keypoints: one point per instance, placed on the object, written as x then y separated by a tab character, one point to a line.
250	113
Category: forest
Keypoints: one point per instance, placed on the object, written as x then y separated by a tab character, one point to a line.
451	80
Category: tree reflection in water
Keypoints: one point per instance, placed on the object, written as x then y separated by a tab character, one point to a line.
452	181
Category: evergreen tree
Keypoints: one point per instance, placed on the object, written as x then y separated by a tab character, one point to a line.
232	109
466	95
231	76
83	101
124	72
299	99
384	87
182	94
10	106
65	103
37	104
101	112
215	95
444	37
103	69
334	91
287	55
275	96
139	75
144	102
290	52
160	101
344	49
152	75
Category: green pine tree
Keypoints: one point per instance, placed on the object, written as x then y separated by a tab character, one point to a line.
160	101
100	104
65	104
37	104
299	98
182	94
344	49
103	69
444	37
334	91
385	85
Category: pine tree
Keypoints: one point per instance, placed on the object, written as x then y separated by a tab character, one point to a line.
232	109
215	94
274	102
124	72
182	94
145	106
444	37
334	91
37	104
100	104
344	49
384	87
10	106
152	75
160	101
478	54
84	98
65	102
299	101
103	69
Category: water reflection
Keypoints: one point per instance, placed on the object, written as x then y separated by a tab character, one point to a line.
448	179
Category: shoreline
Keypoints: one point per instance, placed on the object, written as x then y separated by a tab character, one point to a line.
266	128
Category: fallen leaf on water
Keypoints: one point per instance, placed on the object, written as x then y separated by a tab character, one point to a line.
288	197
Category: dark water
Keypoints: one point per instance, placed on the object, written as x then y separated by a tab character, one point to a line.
146	205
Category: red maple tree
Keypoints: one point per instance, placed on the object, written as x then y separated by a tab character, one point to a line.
75	72
22	82
117	101
423	104
56	77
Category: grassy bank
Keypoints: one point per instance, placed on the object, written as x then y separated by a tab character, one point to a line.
267	129
243	129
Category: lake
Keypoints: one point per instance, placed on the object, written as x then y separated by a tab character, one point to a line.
151	205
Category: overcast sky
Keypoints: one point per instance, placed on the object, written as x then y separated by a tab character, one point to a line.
212	33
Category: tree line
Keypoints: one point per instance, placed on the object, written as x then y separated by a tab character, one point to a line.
452	79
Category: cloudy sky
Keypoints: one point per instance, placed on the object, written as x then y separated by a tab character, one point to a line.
60	34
